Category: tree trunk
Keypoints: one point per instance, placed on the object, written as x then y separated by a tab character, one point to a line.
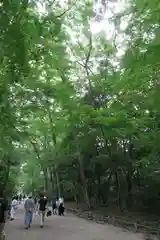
85	191
51	175
45	180
75	194
129	174
54	141
105	196
57	181
129	189
118	191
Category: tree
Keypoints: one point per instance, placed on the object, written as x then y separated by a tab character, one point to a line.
84	118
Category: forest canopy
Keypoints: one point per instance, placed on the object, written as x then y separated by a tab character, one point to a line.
79	100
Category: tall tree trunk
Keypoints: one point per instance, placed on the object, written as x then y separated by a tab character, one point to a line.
45	180
57	181
129	174
51	175
107	188
82	176
6	175
75	193
54	141
118	191
41	164
129	188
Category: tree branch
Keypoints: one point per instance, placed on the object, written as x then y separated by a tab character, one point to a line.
89	52
67	10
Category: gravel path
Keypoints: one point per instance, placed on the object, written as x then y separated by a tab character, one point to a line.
68	227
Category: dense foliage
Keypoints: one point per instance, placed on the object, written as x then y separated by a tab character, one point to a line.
80	109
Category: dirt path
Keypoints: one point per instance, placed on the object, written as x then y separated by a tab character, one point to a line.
68	227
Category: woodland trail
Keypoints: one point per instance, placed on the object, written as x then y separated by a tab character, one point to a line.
68	227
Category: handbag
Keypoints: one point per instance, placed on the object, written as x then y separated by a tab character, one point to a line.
49	213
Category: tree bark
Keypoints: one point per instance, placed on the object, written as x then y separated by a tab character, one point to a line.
118	191
57	181
85	191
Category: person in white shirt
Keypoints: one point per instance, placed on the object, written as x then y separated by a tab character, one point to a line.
14	206
61	200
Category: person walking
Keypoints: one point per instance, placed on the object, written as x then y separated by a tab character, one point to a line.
29	207
61	200
36	205
20	198
57	205
61	206
35	200
42	208
14	207
54	206
3	216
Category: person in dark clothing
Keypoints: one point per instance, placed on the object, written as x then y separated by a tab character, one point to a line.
42	208
20	198
61	209
54	206
35	200
3	216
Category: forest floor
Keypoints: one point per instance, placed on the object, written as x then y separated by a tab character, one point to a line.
68	227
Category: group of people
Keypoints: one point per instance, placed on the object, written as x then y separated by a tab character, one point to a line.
39	206
58	206
32	205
